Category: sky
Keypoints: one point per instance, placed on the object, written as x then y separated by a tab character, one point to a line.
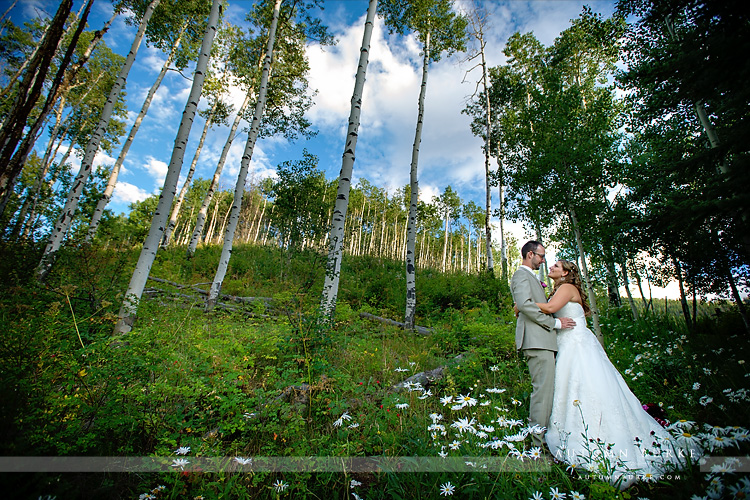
449	153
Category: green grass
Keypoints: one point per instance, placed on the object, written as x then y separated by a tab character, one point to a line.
226	385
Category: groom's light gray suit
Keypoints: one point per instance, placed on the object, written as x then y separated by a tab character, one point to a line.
536	336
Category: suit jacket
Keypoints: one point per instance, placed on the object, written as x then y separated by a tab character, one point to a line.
534	329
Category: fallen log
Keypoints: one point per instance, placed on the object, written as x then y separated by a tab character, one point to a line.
233	298
417	329
428	377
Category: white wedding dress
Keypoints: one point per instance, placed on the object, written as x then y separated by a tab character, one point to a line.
596	418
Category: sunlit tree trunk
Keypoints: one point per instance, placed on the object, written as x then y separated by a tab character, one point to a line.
239	188
335	240
585	274
151	244
411	226
624	269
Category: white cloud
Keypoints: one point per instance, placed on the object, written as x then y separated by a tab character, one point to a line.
126	193
156	169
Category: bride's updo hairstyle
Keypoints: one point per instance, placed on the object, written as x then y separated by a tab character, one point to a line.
574	278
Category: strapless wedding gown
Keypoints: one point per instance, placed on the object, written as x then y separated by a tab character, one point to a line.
596	420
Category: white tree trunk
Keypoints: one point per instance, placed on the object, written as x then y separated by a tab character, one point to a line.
239	188
503	243
335	241
66	217
151	244
411	227
488	132
107	195
201	219
585	274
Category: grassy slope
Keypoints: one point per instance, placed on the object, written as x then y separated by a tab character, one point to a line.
227	385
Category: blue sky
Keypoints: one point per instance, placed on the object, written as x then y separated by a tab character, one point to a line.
449	153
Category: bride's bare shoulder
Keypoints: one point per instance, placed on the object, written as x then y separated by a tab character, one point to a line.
571	291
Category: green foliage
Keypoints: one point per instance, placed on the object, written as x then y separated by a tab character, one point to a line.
228	386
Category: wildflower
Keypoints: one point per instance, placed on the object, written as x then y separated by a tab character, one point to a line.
705	400
467	400
443	454
696	386
486	428
537	496
402	406
353	426
464	424
724	468
577	496
145	496
401	370
470	464
435	417
356	497
182	450
556	495
648	477
180	462
280	485
535	453
447	489
454	445
576	402
340	421
354	484
243	461
446	400
426	394
515	401
494	368
495	390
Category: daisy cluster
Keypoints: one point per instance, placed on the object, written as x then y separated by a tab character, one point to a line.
721	476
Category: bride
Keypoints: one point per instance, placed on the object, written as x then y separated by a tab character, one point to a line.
597	423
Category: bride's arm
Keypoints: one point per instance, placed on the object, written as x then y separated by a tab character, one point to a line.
562	296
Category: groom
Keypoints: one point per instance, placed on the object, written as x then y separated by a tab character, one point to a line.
535	335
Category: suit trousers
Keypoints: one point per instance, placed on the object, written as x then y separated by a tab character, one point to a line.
542	370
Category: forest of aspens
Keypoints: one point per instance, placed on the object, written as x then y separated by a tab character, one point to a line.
297	336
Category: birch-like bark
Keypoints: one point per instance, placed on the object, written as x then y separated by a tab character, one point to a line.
188	179
201	218
66	217
585	274
335	241
626	280
151	244
114	174
239	189
503	243
411	227
683	297
488	132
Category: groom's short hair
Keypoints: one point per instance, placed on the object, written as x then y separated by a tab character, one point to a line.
530	246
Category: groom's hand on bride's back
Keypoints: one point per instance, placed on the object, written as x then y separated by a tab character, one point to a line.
567	323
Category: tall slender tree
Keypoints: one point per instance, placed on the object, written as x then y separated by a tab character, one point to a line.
151	244
439	29
336	237
239	189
